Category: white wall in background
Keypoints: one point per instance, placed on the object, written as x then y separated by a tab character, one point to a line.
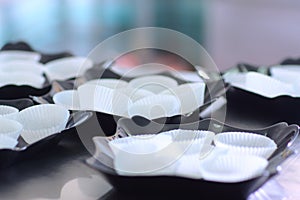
258	32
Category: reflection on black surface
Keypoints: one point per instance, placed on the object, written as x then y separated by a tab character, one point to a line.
45	174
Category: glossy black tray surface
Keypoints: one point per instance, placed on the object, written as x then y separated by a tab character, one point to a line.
255	107
18	103
251	106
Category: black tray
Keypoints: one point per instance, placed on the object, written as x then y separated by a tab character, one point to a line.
290	61
24	151
251	106
159	187
18	103
258	109
10	92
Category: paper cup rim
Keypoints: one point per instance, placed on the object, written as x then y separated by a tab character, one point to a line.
271	143
162	101
62	94
11	108
153	139
25	55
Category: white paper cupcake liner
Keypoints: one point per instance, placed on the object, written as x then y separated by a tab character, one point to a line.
182	135
154	158
109	83
263	85
135	94
141	165
42	120
190	95
103	99
266	85
22	66
21	78
286	73
134	144
10	128
8	112
235	78
86	94
65	68
111	101
68	99
191	141
161	154
155	106
7	142
232	168
246	143
189	164
189	168
150	155
155	83
19	55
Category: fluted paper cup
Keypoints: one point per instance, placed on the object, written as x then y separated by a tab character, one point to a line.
134	93
233	168
235	78
161	154
189	164
10	128
19	55
7	142
286	73
103	99
22	66
246	143
65	68
190	141
42	120
68	99
155	83
155	106
8	112
263	85
134	144
190	95
21	78
149	155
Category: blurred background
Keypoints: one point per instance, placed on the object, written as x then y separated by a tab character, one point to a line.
232	31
